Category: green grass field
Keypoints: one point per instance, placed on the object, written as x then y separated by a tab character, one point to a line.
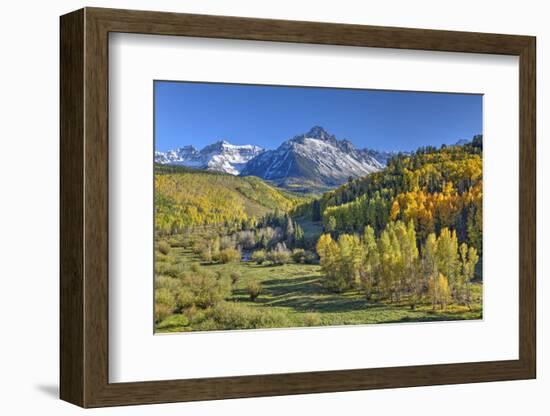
295	292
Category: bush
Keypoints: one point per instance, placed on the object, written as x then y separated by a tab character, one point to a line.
279	255
229	315
164	247
247	239
173	323
235	277
215	256
169	269
167	282
254	289
299	255
206	255
199	246
162	312
310	258
177	242
196	268
227	242
229	255
165	303
202	290
312	319
258	256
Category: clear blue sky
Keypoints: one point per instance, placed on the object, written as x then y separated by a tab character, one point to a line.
199	114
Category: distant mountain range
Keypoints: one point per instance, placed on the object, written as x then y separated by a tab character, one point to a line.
313	161
221	156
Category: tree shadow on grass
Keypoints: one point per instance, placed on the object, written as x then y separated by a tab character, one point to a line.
303	285
334	303
299	285
306	294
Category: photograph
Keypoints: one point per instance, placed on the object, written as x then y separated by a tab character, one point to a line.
282	206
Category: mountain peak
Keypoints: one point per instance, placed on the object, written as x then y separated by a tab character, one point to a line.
221	143
313	160
220	156
318	132
218	146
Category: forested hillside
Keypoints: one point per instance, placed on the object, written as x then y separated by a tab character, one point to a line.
186	198
413	230
433	188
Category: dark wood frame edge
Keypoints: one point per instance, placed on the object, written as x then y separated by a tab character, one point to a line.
84	207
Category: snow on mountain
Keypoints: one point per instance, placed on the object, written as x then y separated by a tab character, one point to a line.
382	156
221	156
314	160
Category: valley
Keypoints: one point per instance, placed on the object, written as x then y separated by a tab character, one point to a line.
290	241
292	296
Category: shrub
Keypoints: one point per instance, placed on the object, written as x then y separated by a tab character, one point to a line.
169	269
229	315
206	255
196	268
164	247
167	282
215	248
254	289
235	277
247	239
258	256
227	242
198	246
202	290
310	257
161	259
312	319
279	255
229	255
162	312
177	242
165	303
173	323
215	256
299	255
264	236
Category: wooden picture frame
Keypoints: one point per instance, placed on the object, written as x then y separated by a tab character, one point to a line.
84	207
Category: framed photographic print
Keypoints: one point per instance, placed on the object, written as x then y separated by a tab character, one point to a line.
255	207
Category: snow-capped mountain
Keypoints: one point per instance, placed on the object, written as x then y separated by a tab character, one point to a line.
314	160
220	156
382	156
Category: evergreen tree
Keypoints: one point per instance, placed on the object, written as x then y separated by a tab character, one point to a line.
299	238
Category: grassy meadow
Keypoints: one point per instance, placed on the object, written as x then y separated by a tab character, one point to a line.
293	295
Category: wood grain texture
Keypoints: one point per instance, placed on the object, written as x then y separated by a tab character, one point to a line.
527	208
71	100
84	205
